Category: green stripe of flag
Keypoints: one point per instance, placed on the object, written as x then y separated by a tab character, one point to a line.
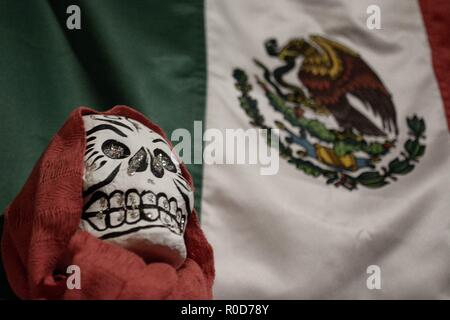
146	54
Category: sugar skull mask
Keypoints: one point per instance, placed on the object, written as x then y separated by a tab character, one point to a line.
134	192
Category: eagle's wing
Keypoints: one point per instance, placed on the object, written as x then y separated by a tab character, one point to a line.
336	70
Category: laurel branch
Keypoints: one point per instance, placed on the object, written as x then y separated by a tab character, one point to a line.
401	165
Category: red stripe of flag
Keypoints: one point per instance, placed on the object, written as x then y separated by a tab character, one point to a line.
436	15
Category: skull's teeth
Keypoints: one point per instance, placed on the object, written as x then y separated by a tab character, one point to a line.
130	208
151	214
148	197
133	205
116	218
100	209
173	207
165	218
163	202
117	211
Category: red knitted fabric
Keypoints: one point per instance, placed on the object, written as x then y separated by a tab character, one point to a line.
41	235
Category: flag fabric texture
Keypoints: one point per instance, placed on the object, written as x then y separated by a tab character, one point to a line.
359	93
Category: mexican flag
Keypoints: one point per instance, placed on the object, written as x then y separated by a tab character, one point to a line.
356	92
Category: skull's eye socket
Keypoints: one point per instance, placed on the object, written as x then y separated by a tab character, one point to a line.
115	150
160	162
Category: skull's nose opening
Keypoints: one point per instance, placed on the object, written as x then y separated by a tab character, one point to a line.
138	162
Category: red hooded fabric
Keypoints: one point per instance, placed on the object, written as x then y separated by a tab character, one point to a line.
41	235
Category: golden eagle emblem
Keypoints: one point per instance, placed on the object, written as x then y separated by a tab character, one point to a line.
318	79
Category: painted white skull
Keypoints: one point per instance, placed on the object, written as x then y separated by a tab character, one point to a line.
134	192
